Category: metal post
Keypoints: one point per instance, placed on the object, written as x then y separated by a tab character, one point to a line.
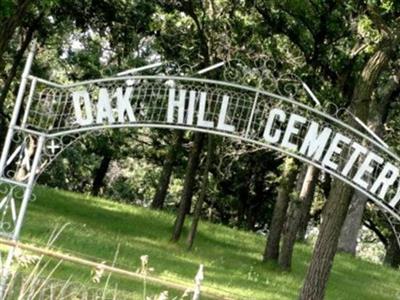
17	108
31	179
29	103
25	200
198	279
253	110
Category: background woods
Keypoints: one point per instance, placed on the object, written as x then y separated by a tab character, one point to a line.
346	52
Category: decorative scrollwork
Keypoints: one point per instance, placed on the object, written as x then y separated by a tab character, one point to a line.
10	196
290	86
54	147
174	69
235	70
261	74
18	162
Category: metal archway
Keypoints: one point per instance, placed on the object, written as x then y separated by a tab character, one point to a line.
51	116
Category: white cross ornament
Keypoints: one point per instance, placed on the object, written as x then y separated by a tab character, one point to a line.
53	147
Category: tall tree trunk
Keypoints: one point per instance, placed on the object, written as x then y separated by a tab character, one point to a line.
165	177
203	193
352	224
336	207
286	185
100	174
378	115
188	187
300	179
297	210
333	213
310	182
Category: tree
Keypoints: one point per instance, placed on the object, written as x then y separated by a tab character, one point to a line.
335	210
18	32
14	14
203	192
321	36
286	185
188	186
298	209
313	28
380	107
8	81
307	196
165	176
100	173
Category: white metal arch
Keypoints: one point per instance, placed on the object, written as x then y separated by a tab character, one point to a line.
50	114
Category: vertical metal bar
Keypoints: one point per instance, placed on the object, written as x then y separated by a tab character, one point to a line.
29	103
25	200
198	279
17	108
253	109
6	148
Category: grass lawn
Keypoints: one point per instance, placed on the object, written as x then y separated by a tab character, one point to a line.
232	258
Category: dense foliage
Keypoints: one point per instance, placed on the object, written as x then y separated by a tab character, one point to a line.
347	52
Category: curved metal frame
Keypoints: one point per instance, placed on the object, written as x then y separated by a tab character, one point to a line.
55	133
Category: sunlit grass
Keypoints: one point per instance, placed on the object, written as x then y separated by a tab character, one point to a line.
232	258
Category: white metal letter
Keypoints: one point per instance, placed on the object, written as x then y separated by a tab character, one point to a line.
386	178
314	143
292	129
104	110
222	116
366	168
334	148
180	104
202	110
396	198
358	149
190	111
76	99
124	105
279	115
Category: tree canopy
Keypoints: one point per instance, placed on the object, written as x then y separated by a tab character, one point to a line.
347	52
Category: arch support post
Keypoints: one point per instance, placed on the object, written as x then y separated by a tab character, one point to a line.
31	177
17	109
11	185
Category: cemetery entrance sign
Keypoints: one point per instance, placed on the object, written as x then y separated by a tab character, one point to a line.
216	110
48	117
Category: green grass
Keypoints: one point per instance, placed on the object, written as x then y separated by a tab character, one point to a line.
232	258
